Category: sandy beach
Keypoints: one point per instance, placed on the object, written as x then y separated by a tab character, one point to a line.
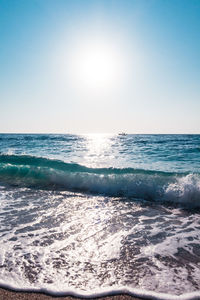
6	294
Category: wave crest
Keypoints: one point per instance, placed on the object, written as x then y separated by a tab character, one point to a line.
37	172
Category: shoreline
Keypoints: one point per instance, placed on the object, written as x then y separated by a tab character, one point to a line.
8	294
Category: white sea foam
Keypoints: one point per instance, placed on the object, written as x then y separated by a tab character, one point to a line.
108	292
61	242
185	190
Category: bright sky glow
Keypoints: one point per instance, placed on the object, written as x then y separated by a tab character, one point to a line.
97	65
100	66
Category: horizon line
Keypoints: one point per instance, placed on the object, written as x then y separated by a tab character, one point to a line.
93	133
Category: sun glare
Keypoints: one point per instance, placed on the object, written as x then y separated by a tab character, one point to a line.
95	65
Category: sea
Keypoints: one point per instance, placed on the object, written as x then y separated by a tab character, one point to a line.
99	214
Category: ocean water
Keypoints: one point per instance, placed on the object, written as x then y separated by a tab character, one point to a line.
98	214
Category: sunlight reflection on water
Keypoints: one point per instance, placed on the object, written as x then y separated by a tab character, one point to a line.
99	149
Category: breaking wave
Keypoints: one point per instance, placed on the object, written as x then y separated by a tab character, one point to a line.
38	172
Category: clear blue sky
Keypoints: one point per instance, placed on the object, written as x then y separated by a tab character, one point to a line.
100	66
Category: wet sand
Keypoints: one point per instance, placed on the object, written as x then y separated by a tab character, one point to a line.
6	294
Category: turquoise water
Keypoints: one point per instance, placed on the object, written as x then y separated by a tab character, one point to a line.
170	153
90	213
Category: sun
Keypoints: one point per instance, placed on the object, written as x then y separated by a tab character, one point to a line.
95	65
98	65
